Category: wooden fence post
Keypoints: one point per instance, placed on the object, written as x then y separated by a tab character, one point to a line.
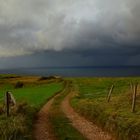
134	97
131	87
110	92
7	104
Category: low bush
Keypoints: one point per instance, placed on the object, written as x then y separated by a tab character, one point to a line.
19	84
18	125
12	128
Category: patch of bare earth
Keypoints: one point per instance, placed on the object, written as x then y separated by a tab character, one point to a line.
42	127
85	127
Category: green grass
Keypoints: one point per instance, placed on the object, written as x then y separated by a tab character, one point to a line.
37	95
115	116
34	95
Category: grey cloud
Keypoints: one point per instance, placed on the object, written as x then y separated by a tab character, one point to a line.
67	58
86	29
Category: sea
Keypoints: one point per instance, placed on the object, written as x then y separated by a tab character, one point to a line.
117	71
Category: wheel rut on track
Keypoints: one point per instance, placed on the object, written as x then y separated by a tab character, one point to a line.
85	127
42	127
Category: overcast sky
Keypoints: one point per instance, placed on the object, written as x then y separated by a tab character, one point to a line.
69	32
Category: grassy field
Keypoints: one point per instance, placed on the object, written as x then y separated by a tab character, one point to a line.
37	95
90	101
34	92
30	98
115	116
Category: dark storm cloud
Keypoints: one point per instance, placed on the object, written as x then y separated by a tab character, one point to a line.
91	31
68	58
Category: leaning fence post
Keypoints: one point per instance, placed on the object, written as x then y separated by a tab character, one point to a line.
7	104
134	97
109	94
131	87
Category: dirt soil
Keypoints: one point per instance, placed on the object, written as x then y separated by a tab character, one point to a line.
42	127
85	127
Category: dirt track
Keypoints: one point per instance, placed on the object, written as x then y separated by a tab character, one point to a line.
42	128
88	129
43	131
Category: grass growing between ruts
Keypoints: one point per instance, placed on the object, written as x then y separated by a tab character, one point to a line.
62	127
115	116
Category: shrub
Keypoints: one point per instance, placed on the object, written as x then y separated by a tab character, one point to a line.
12	128
49	78
19	84
24	108
18	125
